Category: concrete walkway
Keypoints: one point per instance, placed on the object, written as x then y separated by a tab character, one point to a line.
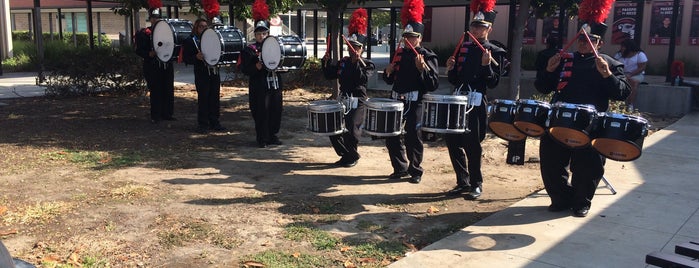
656	207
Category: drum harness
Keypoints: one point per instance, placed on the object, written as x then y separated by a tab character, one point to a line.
272	80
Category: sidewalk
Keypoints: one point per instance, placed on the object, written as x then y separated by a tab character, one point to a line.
656	207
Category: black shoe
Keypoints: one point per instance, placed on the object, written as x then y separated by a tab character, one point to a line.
459	189
475	193
349	164
556	207
581	212
170	118
218	128
415	179
398	175
202	130
275	141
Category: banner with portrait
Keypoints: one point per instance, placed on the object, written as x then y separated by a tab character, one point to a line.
626	17
694	26
661	21
529	28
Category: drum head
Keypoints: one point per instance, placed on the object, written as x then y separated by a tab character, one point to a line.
211	46
531	129
506	131
271	53
617	150
163	41
570	137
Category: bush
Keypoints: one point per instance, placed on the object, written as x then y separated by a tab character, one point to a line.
81	38
102	70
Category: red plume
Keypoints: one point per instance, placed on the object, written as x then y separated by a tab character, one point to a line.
482	5
594	10
358	22
211	8
260	10
412	11
155	4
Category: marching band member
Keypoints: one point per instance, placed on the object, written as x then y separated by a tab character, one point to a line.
160	76
265	91
583	77
353	72
206	79
474	71
411	75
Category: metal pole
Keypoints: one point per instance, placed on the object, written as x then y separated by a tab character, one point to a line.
231	20
60	25
99	29
39	40
315	33
51	25
368	30
392	34
299	22
90	26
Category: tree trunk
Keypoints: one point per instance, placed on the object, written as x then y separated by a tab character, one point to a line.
518	37
335	45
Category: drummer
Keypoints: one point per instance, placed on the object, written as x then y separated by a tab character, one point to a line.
160	76
206	79
473	73
411	76
578	78
265	87
353	73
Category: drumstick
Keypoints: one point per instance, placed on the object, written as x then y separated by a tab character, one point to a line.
475	40
354	51
458	45
571	41
424	65
587	37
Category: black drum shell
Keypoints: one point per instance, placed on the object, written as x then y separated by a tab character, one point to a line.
580	119
233	44
623	129
501	118
326	118
444	113
384	117
533	112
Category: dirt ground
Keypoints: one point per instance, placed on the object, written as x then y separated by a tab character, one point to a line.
90	182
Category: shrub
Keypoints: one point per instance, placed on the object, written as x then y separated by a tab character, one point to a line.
80	38
102	70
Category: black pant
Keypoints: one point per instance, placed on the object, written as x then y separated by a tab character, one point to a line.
465	149
160	80
346	144
412	141
266	108
586	166
208	98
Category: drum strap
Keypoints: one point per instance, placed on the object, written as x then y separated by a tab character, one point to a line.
566	72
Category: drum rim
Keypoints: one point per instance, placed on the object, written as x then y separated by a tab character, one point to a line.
506	101
458	99
533	101
384	103
588	107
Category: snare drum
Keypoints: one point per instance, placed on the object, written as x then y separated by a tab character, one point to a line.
444	113
572	124
384	117
325	117
501	119
168	37
222	45
283	52
620	137
530	117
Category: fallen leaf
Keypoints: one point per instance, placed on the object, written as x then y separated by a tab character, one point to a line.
432	210
349	264
9	232
253	264
3	209
316	210
345	248
367	260
296	254
410	246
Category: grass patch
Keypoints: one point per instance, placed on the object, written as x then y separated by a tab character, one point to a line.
179	232
40	212
376	254
95	159
279	259
130	191
320	239
369	226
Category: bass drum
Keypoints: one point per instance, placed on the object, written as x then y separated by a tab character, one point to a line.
283	52
222	45
168	37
